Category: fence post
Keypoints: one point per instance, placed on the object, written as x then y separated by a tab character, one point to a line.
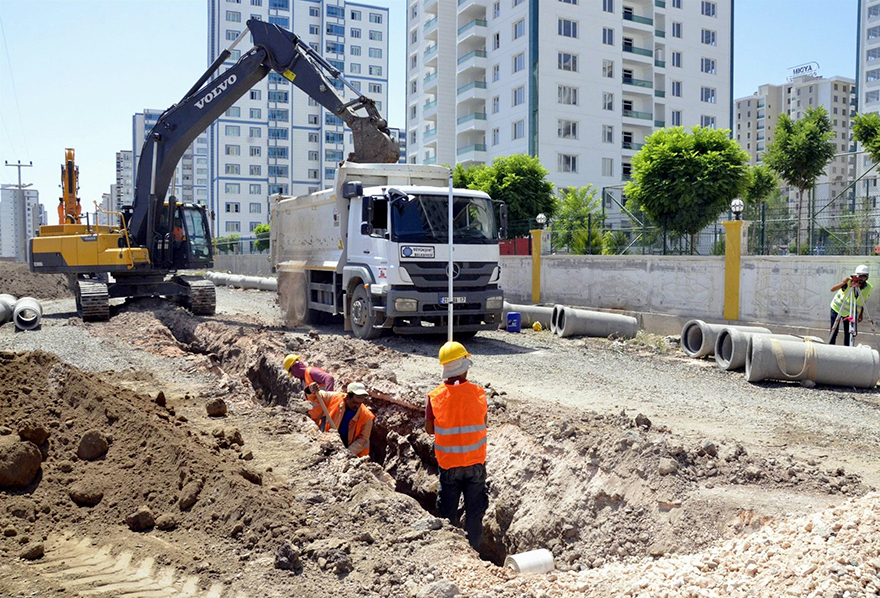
732	264
536	265
763	228
664	239
590	232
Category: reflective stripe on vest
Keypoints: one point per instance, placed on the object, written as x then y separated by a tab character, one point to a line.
459	424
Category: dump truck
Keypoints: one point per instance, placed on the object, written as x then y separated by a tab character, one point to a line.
374	250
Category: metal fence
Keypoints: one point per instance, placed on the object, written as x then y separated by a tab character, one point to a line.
235	245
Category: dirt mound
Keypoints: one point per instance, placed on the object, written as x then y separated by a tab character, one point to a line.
18	280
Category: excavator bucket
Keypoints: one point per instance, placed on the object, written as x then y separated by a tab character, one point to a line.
372	145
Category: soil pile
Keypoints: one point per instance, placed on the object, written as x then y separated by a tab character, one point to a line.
19	281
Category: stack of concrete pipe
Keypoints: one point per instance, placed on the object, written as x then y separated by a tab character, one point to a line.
732	346
25	313
244	282
568	321
698	338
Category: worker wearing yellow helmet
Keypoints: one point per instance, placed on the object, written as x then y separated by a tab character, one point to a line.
858	285
295	367
456	414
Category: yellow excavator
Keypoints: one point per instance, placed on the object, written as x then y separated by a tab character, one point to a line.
158	236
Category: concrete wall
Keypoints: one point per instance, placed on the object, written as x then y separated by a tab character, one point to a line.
248	265
786	291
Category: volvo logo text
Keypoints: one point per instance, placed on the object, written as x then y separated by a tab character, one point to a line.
456	270
216	92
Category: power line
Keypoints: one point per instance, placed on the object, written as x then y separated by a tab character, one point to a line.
14	92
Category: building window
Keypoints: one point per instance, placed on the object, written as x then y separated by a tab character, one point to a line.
280	97
313	155
676	89
518	130
234	112
607	101
255	170
278	171
232	130
233	169
496	40
567	163
496	9
608	68
872	96
707	94
278	133
496	72
233	16
496	136
567	95
233	150
313	138
375	53
375	36
375	18
519	62
313	119
707	65
519	29
255	94
707	121
254	132
496	104
255	151
567	28
231	34
607	5
314	30
355	50
255	189
676	29
708	37
676	118
708	8
375	71
567	62
607	36
567	129
375	87
607	134
519	96
607	167
354	68
234	188
233	227
255	112
676	59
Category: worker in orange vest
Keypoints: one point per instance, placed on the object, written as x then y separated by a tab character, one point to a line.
61	219
456	414
348	415
294	366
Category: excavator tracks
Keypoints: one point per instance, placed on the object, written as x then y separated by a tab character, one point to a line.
202	299
92	300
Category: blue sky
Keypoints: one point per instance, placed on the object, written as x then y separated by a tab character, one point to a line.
72	73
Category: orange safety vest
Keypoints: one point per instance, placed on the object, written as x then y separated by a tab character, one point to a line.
363	415
459	424
178	234
315	412
60	213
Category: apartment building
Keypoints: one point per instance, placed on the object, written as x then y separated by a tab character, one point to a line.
123	190
757	116
578	83
190	182
867	99
276	139
10	219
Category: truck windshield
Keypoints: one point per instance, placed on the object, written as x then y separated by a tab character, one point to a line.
425	218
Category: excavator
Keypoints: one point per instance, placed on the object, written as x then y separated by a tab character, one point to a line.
160	236
69	208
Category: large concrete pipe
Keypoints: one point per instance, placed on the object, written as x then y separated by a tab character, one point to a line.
530	313
772	359
27	313
235	280
733	344
7	303
698	338
268	284
582	322
554	318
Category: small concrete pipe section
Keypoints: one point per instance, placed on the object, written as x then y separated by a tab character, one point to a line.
834	365
27	313
732	346
533	561
554	318
698	338
7	303
245	282
530	313
582	322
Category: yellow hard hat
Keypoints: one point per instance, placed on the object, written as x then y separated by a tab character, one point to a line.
537	327
289	361
451	351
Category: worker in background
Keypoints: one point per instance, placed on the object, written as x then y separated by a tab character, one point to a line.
177	233
348	415
61	219
839	306
295	367
456	415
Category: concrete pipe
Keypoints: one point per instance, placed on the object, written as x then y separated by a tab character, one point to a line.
235	280
7	303
250	282
732	346
268	284
582	322
772	359
220	278
698	338
27	313
530	314
554	318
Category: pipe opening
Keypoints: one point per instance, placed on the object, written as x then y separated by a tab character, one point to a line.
724	348
693	338
560	320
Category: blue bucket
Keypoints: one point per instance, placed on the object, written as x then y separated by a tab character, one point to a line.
514	321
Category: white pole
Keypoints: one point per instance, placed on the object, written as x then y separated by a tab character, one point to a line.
449	268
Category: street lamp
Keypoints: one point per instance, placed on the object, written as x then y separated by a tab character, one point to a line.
542	220
737	206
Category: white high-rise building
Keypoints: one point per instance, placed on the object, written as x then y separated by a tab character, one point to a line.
10	219
867	84
276	139
123	190
578	83
190	182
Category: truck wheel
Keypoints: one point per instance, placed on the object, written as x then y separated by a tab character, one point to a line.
361	314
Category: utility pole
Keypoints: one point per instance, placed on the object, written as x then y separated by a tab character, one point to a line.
22	216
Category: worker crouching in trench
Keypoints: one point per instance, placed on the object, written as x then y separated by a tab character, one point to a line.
346	414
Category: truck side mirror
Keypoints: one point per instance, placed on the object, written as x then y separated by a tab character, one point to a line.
502	217
366	229
352	189
367	210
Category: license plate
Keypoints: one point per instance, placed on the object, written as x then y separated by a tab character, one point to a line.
445	300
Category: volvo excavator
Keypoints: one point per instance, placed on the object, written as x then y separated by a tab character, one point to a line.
158	236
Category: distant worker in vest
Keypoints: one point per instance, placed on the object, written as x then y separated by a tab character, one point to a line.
295	367
348	415
177	233
456	415
61	218
840	305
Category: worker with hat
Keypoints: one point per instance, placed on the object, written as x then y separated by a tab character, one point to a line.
295	367
348	415
456	415
858	282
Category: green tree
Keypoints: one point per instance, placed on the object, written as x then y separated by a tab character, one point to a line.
520	182
683	180
866	130
463	177
575	211
614	242
761	182
800	152
227	244
261	232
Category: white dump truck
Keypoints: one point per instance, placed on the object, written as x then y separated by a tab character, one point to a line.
374	249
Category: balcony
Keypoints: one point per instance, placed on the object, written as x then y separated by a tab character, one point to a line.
475	153
430	24
428	134
659	93
472	60
475	90
638	19
428	107
637	82
632	145
477	27
477	147
472	116
639	51
475	121
471	55
431	160
471	8
659	33
660	64
429	81
636	114
660	3
660	123
431	50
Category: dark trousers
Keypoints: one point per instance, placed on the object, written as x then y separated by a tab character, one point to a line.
470	481
845	324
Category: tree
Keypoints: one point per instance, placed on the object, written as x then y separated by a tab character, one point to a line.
614	242
761	182
683	180
227	244
575	212
800	152
261	232
519	181
866	130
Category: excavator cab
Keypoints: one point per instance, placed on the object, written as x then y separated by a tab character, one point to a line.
196	236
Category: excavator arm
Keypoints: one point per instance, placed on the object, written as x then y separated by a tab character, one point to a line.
274	49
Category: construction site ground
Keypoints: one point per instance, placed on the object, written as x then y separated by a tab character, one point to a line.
644	472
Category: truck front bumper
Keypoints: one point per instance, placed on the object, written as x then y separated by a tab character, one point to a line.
480	310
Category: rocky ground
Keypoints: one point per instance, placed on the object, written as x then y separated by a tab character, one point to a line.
645	474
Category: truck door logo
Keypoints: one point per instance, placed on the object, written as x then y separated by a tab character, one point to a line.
216	91
409	251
